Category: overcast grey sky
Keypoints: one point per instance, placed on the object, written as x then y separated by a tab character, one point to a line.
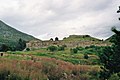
50	18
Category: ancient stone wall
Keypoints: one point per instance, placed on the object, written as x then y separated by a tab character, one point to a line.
70	44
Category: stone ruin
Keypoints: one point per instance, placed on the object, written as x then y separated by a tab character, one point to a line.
70	44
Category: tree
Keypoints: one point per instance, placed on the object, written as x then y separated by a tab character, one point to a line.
118	11
56	39
111	57
4	48
21	45
51	39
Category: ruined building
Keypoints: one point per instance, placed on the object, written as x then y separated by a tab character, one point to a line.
70	42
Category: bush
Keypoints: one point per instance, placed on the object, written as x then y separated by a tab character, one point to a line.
52	48
74	50
27	49
80	48
114	77
86	56
61	48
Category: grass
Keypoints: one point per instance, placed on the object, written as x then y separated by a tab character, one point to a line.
66	55
45	68
41	64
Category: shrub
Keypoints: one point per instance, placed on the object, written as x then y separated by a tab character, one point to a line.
27	49
52	71
74	50
80	48
61	48
114	77
52	48
86	56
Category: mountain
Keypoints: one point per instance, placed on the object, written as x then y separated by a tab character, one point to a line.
10	36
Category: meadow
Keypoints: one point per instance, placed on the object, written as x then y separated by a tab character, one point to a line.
42	64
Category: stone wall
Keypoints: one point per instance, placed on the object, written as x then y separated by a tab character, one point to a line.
70	44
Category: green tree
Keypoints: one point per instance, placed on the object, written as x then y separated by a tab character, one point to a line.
51	39
118	11
21	45
52	48
4	48
111	57
74	50
56	39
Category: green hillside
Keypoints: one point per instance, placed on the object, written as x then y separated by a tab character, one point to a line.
110	39
80	38
9	35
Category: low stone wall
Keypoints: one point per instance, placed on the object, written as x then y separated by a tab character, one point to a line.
70	44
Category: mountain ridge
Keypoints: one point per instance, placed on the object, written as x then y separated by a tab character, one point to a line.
11	35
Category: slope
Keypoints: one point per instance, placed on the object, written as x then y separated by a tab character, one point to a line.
10	36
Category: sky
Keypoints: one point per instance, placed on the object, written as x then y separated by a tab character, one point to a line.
45	19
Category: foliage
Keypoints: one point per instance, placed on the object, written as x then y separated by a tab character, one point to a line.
27	49
21	45
114	77
56	39
74	50
111	57
51	39
4	48
9	36
61	48
52	48
86	56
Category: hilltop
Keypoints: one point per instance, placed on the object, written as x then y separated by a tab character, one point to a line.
10	36
80	38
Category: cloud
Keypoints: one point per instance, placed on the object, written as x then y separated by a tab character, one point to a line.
50	18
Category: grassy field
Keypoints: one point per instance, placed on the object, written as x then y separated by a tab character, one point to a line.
42	64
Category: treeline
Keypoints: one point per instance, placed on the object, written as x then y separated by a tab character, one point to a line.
16	46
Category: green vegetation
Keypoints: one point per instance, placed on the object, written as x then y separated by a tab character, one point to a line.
54	62
10	36
74	50
52	48
21	45
110	58
86	56
58	62
80	38
4	48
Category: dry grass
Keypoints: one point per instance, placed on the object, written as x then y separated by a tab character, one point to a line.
43	68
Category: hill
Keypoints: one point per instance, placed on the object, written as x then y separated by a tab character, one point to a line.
10	36
110	39
80	38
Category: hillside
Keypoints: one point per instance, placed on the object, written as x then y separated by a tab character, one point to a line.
9	35
110	39
80	38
